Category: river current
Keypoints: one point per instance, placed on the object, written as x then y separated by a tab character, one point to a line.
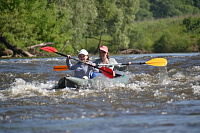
157	99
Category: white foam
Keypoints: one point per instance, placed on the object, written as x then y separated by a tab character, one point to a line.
22	89
196	89
196	68
179	75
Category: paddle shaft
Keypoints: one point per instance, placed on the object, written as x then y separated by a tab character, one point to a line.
152	62
60	54
105	71
133	63
140	63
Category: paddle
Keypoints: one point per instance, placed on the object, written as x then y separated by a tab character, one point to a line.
153	62
104	70
60	68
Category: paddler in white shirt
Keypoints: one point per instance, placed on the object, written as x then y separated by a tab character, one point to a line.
82	70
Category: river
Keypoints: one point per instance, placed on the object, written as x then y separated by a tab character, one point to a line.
157	99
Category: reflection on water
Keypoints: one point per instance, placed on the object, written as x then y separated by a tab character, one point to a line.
156	99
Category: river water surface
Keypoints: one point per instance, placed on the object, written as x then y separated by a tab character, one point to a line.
157	99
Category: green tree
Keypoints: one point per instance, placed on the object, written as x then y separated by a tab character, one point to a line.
113	18
170	8
28	22
120	24
165	8
144	11
84	13
197	3
192	25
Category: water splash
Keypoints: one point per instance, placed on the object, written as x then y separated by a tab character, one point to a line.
163	76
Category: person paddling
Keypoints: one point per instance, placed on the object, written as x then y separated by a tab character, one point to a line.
82	70
105	59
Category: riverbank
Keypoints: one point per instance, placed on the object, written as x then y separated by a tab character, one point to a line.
8	53
170	35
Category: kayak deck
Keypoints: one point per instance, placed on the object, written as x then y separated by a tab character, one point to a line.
74	82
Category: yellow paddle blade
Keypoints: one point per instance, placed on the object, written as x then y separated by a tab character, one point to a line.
60	68
157	62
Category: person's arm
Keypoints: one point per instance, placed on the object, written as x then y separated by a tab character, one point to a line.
96	70
118	67
69	64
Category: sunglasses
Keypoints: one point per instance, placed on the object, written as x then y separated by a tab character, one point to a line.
102	52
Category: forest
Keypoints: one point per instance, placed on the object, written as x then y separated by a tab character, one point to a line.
152	26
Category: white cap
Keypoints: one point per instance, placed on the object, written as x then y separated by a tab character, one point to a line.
83	51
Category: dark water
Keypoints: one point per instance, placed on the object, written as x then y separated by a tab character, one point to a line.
165	99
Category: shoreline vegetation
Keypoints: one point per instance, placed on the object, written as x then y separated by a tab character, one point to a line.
131	27
155	33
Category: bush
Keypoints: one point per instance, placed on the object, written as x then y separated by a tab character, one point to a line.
192	24
169	43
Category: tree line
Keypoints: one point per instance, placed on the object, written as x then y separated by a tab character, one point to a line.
91	23
155	9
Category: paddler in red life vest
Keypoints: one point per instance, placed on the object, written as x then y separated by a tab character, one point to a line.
82	70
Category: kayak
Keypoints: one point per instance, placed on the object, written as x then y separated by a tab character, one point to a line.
74	82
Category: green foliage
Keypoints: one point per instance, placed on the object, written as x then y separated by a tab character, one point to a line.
192	24
165	35
84	13
166	8
144	11
121	23
144	34
170	42
198	43
91	43
29	22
